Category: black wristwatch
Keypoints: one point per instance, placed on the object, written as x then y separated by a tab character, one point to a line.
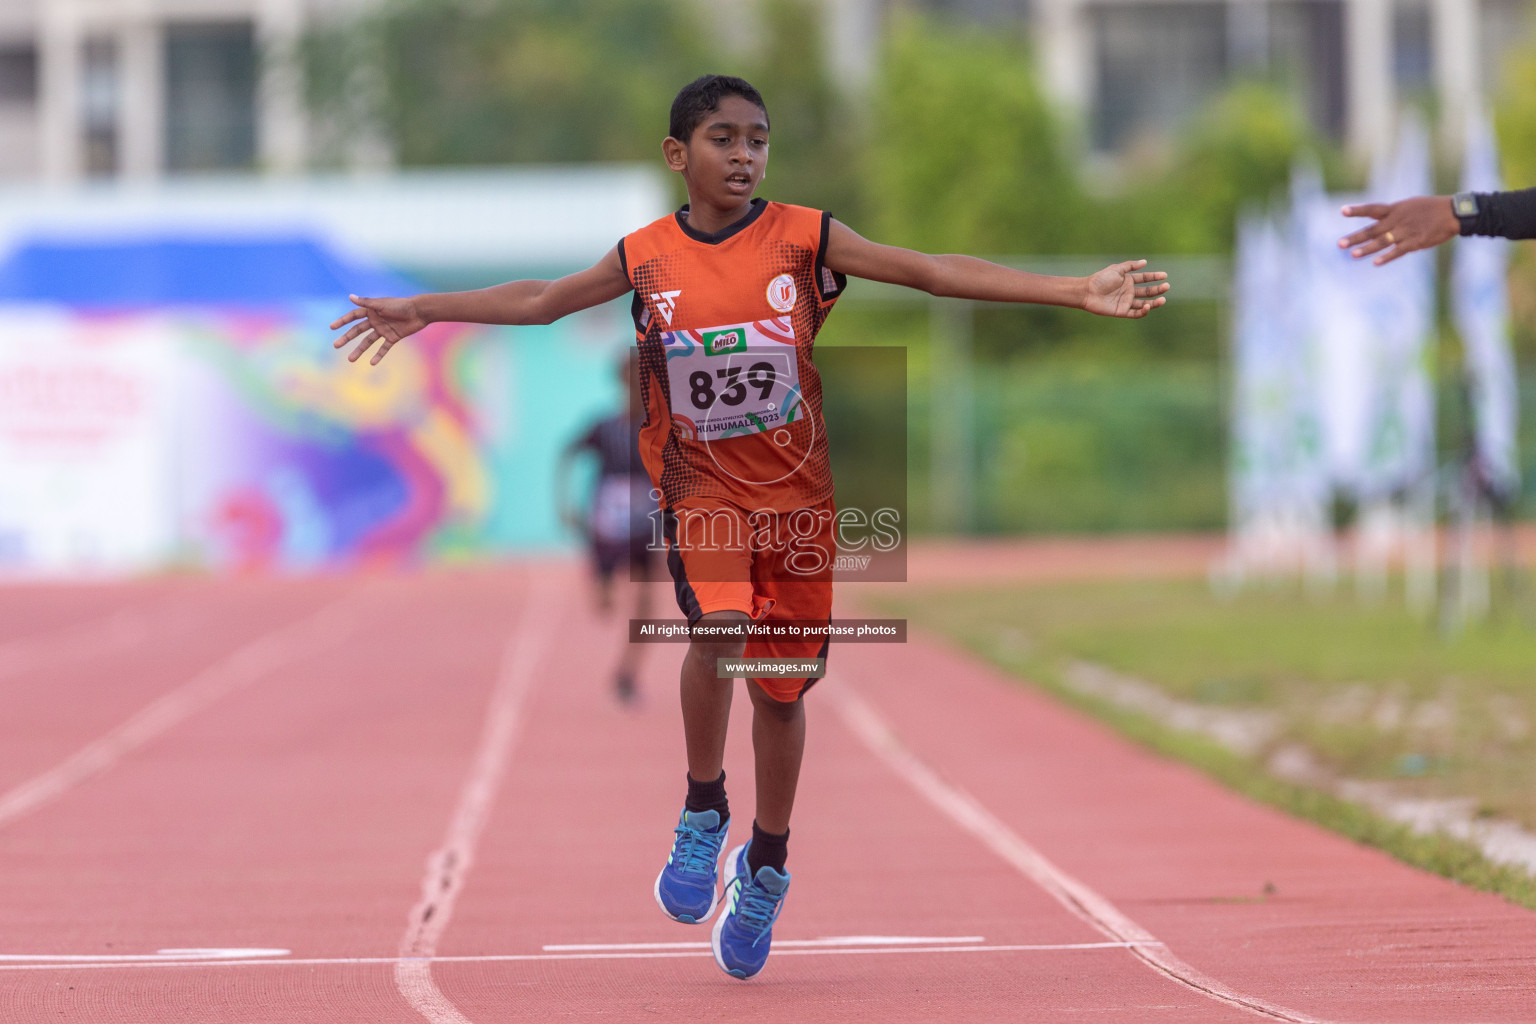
1466	208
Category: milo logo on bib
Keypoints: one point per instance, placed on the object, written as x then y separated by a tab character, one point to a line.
718	343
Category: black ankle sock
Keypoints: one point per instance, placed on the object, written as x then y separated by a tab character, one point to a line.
768	849
708	796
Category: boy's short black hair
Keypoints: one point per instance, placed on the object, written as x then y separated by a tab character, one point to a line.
701	97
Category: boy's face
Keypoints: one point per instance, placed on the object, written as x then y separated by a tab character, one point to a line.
727	155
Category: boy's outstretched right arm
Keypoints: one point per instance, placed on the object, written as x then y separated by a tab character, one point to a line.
391	320
1120	289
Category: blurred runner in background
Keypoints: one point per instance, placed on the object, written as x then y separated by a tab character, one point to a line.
618	521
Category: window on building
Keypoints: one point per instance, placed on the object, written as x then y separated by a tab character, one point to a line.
1307	54
1157	63
99	98
210	97
18	73
1413	56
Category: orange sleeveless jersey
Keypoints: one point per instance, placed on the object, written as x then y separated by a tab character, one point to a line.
726	324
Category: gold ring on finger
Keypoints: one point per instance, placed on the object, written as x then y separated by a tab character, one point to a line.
1389	238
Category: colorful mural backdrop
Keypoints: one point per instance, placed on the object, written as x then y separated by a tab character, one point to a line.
295	457
227	432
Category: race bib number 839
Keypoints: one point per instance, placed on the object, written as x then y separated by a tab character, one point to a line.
735	380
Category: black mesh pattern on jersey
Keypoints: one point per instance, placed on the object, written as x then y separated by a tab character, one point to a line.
655	276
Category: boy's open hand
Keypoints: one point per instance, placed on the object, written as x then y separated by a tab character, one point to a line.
383	320
1124	289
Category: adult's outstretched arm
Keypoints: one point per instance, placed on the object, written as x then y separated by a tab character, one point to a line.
1505	214
1423	222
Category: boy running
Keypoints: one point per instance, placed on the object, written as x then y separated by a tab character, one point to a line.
729	293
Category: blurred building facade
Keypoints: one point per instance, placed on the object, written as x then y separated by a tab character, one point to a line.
1133	68
137	89
140	88
1128	65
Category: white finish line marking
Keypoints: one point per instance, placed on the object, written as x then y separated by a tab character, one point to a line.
834	940
696	950
130	958
965	811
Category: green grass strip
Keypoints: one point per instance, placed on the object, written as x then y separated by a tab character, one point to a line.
1445	855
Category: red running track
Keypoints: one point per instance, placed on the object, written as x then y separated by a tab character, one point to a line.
412	798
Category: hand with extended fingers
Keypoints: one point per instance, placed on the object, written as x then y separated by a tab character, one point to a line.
1124	289
386	321
1422	222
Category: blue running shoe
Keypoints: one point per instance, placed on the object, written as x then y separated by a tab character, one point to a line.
745	930
685	889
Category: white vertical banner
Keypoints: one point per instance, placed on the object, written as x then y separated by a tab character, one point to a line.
1277	451
1259	397
1371	334
1339	338
1279	482
1399	300
1480	308
86	467
1308	483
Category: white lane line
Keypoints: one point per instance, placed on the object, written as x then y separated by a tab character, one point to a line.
448	866
547	957
835	940
119	630
964	810
160	955
306	637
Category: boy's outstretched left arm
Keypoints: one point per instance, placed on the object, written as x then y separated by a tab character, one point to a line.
1121	289
392	320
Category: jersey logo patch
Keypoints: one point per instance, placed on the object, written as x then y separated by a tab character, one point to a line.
666	303
781	293
718	343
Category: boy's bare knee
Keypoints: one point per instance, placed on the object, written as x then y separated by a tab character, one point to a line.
765	703
712	650
713	654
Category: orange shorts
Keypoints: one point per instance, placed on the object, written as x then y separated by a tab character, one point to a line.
774	566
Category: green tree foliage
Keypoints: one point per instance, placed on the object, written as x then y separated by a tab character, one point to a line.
506	81
964	154
967	155
815	144
1515	122
456	82
1237	152
1515	117
956	148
